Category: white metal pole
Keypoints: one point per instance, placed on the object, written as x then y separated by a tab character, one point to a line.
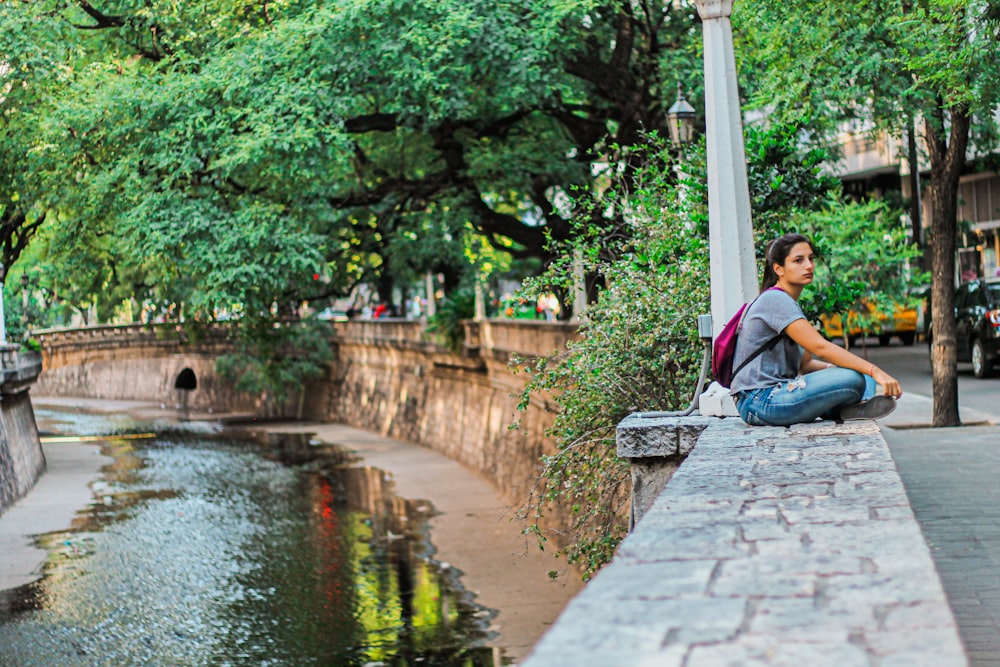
579	286
731	253
3	319
480	299
429	288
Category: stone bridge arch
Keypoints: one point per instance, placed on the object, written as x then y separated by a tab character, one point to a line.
158	363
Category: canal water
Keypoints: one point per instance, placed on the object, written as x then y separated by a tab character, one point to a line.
216	548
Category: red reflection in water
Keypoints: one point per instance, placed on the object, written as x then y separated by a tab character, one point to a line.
328	542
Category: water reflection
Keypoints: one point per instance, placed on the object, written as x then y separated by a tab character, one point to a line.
209	551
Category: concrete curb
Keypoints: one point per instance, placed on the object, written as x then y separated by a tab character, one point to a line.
59	494
916	410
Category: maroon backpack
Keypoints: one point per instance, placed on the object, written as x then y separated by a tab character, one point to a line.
724	347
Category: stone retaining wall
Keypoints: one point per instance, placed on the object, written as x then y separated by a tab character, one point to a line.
392	379
389	376
133	377
768	546
21	457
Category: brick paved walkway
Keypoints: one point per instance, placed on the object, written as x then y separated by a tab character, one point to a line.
952	477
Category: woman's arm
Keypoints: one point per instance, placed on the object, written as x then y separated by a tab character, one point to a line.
810	365
815	345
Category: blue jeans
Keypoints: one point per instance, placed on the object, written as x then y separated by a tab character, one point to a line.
824	393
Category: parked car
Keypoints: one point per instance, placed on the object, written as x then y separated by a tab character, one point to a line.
977	325
903	324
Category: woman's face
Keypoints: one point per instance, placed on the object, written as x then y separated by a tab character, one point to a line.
799	265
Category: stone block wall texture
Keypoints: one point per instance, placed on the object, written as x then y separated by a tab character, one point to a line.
655	447
769	547
461	405
128	377
21	457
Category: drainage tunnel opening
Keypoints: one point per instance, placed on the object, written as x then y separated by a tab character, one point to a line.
186	380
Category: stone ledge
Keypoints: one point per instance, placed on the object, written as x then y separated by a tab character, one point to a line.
649	437
656	446
769	546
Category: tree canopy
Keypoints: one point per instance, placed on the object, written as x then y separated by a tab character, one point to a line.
227	152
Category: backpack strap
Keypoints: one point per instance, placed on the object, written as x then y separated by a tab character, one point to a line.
768	344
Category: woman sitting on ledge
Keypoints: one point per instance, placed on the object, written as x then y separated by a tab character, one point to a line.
799	376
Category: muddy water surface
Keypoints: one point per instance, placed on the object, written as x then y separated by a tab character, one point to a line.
210	548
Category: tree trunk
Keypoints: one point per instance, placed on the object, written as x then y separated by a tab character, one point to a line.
947	159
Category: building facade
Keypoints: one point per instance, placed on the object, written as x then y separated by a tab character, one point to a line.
874	165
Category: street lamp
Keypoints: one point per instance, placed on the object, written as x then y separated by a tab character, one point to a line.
680	119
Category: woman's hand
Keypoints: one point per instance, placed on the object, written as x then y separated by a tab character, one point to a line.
890	385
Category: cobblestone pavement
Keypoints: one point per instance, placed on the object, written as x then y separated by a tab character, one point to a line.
952	478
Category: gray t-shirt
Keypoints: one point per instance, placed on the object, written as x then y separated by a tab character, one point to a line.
773	310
